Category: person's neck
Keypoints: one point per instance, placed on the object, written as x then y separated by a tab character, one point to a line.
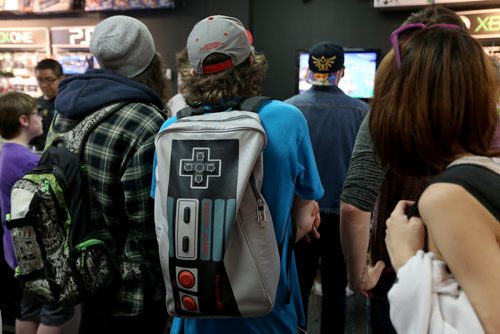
21	140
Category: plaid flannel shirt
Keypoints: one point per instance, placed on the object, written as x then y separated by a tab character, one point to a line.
119	158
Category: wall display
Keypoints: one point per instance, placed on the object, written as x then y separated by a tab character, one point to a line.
12	5
39	6
98	5
20	50
359	78
417	3
44	6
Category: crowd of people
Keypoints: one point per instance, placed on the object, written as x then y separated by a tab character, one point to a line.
396	200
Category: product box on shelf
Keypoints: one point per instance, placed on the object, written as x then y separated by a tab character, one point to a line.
41	6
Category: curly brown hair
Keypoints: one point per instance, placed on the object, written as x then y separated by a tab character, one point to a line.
244	80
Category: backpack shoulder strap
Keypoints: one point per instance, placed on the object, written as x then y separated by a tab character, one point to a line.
252	104
188	111
76	138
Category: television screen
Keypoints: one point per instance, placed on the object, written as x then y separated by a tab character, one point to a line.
76	62
359	78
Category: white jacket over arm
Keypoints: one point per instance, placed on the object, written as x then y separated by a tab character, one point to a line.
427	299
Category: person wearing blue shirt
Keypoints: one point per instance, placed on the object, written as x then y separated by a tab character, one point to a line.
225	67
333	119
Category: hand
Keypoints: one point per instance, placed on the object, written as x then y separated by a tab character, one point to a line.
369	279
315	225
403	236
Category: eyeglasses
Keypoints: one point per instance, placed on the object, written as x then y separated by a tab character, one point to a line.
46	81
38	112
41	112
394	38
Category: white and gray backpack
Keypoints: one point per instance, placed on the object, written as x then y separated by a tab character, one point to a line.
215	233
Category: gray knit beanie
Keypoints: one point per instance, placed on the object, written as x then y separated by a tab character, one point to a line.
123	45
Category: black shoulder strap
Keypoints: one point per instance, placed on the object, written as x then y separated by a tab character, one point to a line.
479	181
252	104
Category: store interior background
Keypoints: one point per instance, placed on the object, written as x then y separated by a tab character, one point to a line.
279	27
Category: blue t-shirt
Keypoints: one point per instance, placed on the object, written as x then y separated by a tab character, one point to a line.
289	170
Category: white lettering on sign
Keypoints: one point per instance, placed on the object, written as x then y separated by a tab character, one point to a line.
16	37
80	36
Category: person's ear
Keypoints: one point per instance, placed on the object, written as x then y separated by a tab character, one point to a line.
341	72
192	72
24	121
250	60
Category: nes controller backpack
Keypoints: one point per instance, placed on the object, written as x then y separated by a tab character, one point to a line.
216	237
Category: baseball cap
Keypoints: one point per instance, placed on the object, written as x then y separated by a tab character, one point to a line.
325	59
218	34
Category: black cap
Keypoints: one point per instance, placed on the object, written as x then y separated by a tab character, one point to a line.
326	57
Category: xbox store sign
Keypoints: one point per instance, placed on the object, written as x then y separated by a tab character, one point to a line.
482	24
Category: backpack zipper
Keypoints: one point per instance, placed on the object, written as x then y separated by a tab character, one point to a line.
56	172
217	120
261	211
186	120
82	247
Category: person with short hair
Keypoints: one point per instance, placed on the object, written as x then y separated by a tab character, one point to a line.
118	156
48	73
20	122
333	119
225	68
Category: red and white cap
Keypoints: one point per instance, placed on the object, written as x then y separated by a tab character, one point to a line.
218	34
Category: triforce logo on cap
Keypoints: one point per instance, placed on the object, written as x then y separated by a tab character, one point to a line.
325	59
323	64
218	34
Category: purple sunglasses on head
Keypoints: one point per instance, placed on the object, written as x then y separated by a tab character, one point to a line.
417	26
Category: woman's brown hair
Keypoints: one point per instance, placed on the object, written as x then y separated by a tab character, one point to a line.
439	104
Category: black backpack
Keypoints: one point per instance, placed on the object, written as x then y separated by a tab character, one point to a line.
62	256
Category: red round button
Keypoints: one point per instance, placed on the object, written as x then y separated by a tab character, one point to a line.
186	279
189	303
